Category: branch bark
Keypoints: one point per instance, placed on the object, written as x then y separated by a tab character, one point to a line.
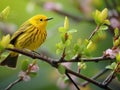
55	63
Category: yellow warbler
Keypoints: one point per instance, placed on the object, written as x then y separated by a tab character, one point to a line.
30	35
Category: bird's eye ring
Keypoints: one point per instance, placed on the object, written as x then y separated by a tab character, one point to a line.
41	19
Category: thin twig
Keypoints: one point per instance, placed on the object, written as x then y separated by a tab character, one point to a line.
109	78
88	79
93	33
72	80
52	62
63	55
95	59
95	77
13	83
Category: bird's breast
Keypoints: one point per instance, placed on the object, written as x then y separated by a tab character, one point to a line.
31	40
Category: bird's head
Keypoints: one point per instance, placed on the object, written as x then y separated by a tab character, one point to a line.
39	21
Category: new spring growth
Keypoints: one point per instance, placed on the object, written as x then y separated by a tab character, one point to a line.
66	26
66	23
91	46
4	42
81	65
116	40
101	17
64	36
116	68
4	13
28	70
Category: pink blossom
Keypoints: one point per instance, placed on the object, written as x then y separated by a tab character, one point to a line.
24	76
111	53
34	68
114	22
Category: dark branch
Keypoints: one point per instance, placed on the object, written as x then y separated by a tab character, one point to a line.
34	56
52	61
72	80
55	62
93	33
89	80
95	59
96	76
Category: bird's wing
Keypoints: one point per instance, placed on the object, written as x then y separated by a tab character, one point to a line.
19	32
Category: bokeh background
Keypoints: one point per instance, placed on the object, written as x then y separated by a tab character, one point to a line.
79	13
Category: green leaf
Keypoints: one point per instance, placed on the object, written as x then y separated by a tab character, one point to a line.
76	47
116	43
61	69
66	23
68	42
107	22
33	74
86	52
85	43
112	66
118	57
66	79
91	46
62	30
116	31
59	45
103	15
96	16
72	31
25	64
63	38
103	27
1	47
5	40
58	51
82	65
4	13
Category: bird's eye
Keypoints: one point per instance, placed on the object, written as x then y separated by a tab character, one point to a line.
41	19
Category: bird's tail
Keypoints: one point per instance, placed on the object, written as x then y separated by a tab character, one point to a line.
10	60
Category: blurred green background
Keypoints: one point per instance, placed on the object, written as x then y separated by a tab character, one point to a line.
48	77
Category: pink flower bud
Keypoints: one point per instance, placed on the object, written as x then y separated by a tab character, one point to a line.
24	76
111	53
34	68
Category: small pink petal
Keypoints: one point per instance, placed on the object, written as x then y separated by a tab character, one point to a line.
34	68
24	77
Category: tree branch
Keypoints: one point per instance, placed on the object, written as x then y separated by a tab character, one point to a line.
72	80
93	33
13	83
88	79
95	77
35	56
55	62
95	59
109	78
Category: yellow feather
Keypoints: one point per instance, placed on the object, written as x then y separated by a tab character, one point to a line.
30	35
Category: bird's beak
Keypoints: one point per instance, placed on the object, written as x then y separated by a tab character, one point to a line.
48	19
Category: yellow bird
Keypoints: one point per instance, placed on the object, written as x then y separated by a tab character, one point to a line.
30	35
